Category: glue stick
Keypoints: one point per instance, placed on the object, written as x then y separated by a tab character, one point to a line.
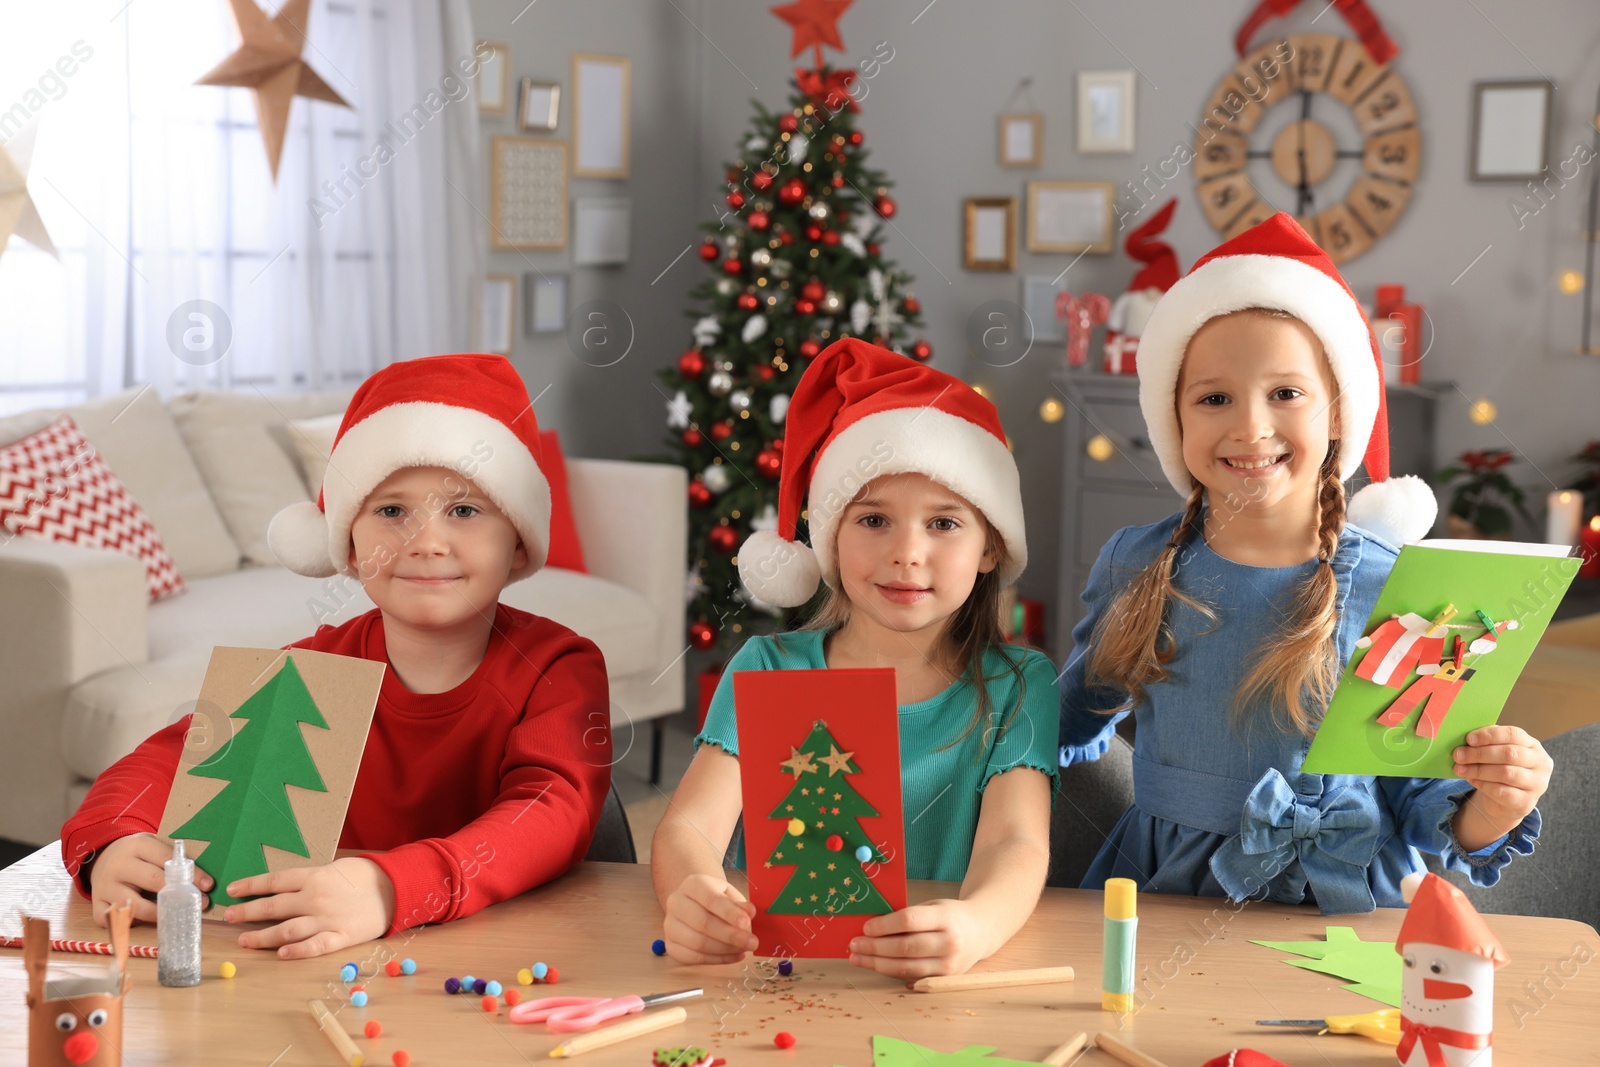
1116	975
178	923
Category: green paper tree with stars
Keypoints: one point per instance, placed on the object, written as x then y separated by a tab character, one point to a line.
266	755
822	832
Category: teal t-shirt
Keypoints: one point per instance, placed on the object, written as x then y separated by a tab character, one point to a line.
941	781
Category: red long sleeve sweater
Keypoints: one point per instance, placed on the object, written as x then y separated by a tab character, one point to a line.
476	794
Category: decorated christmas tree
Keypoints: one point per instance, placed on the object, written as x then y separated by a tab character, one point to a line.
266	755
823	838
796	263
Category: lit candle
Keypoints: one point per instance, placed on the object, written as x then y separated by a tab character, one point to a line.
1563	519
1591	550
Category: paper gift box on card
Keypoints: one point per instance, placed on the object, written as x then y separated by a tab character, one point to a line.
270	760
819	768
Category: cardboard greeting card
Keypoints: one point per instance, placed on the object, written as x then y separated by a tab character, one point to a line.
819	765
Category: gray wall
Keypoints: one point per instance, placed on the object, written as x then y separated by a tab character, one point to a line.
1501	330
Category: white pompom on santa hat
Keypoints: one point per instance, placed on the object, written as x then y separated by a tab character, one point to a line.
863	412
468	413
1276	265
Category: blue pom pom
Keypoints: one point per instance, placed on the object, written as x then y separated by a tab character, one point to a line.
452	985
466	982
408	966
359	999
863	854
540	970
493	989
348	973
659	947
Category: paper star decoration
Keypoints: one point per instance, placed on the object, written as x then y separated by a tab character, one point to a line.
17	213
268	62
837	761
815	24
799	762
678	411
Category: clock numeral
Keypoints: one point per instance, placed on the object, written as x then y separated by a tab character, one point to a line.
1384	104
1393	154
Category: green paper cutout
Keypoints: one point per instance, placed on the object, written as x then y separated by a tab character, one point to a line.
894	1052
266	755
1520	586
822	875
1372	966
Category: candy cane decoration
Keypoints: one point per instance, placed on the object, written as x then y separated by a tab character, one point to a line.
1082	315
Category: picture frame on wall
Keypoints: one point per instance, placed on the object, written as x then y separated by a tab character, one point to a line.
990	241
1021	139
494	78
1510	130
600	115
539	104
1070	216
499	306
600	231
1106	110
527	193
544	296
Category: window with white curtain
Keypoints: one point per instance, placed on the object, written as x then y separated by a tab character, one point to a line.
157	193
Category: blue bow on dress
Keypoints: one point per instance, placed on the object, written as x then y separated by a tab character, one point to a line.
1334	835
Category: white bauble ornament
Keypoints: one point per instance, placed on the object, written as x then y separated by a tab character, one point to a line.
739	400
717	478
778	410
798	144
720	383
754	327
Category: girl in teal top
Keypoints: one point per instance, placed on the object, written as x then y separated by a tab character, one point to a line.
915	516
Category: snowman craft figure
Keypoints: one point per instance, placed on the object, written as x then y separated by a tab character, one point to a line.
1447	982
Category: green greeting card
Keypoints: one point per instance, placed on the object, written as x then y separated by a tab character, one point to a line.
1453	627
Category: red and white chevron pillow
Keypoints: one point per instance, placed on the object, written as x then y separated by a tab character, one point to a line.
53	484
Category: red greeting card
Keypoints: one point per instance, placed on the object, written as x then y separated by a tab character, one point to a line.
824	835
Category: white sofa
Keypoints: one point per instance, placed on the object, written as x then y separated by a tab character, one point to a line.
89	667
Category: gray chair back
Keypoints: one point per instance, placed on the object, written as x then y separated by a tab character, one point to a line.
1093	796
613	839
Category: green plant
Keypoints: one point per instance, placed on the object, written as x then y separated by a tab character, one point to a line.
1482	491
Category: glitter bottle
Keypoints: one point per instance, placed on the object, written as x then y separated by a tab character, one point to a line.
178	923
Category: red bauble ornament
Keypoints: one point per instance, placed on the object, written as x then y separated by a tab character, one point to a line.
691	364
792	191
693	437
835	842
721	431
813	290
786	237
733	175
921	351
760	180
872	248
769	463
699	494
809	348
760	220
777	446
885	207
813	233
913	306
732	266
702	636
724	539
709	251
838	181
856	137
804	307
736	200
748	302
830	237
766	373
788	124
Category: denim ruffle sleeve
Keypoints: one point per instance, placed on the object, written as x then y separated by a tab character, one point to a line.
1424	811
1085	734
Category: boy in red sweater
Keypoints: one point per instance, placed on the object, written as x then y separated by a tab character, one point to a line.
489	755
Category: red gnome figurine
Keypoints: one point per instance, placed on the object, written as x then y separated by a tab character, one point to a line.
1447	982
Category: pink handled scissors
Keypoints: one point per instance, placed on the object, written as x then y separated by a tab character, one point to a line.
570	1014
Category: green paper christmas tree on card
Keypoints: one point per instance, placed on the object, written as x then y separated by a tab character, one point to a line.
1372	966
822	813
893	1052
266	755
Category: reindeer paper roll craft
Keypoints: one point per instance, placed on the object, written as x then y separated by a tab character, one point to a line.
75	1022
1447	981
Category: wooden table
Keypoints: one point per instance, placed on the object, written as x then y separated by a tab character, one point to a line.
1202	986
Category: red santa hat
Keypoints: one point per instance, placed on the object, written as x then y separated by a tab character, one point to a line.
1160	270
1277	265
862	412
1440	914
469	413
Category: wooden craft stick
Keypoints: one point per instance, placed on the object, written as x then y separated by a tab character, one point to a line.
1063	1055
341	1041
1125	1053
639	1024
944	983
97	948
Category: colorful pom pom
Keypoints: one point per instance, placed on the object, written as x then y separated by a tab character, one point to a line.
452	985
784	1039
525	977
493	989
408	966
358	999
863	854
392	968
480	987
373	1028
227	970
659	947
552	976
401	1058
348	973
540	970
786	967
490	1003
513	997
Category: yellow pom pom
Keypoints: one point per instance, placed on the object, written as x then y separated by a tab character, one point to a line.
797	827
228	970
525	976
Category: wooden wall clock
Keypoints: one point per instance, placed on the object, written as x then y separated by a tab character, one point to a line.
1302	71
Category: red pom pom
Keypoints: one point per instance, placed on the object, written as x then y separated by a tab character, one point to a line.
490	1003
392	968
373	1028
709	251
691	364
835	842
552	976
513	997
784	1039
401	1058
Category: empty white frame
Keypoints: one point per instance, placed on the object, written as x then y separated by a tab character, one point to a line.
1070	216
1510	130
541	102
991	233
600	119
600	231
499	312
1105	110
494	77
1021	139
545	297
